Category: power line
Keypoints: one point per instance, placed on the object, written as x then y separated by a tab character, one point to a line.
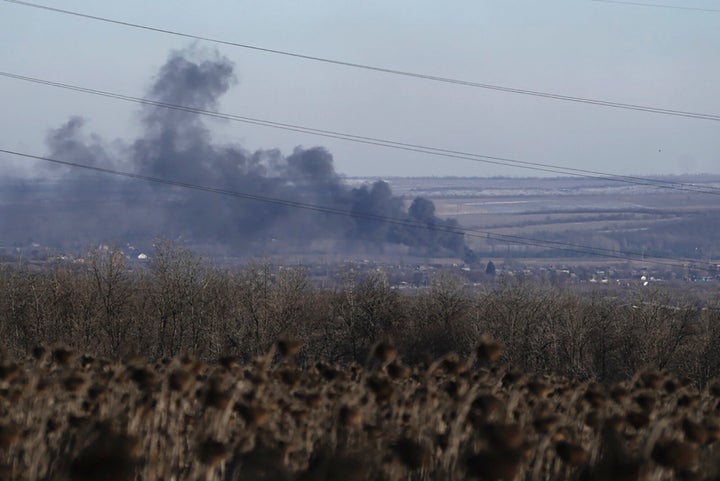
434	78
658	5
512	239
428	150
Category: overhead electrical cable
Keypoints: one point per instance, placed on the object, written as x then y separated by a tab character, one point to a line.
511	239
658	5
428	150
435	78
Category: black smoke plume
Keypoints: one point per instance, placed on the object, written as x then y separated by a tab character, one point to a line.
78	206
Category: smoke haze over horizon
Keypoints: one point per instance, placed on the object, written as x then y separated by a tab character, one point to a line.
179	146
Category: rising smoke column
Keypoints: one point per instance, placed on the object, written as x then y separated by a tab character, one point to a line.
177	145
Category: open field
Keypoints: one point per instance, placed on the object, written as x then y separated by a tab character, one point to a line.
592	212
595	213
560	229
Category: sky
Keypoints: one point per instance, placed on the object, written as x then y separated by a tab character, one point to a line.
659	57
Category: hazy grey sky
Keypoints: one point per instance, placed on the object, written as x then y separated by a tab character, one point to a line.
650	56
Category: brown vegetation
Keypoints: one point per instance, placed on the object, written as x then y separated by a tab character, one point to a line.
183	371
181	418
178	303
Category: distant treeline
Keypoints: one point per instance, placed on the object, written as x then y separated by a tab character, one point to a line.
693	237
180	303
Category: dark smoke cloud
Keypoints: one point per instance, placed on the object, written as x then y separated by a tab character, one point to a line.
176	145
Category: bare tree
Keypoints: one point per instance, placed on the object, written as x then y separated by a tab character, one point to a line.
110	278
178	287
366	308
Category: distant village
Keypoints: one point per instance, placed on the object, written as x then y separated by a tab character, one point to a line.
417	273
